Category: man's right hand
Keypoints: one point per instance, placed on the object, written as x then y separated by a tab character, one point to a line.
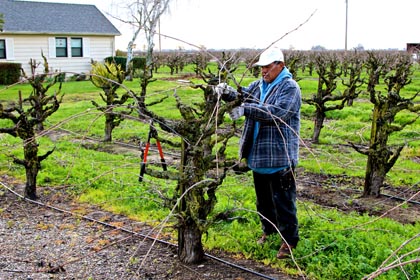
224	89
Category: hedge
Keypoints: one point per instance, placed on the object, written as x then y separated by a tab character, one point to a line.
9	73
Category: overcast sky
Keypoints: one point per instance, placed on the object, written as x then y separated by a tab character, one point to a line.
228	24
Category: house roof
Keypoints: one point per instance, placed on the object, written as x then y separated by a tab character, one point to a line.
54	18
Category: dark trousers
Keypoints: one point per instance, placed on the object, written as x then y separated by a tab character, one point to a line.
276	201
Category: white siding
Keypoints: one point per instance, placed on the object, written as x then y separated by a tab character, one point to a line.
10	49
26	47
51	47
86	47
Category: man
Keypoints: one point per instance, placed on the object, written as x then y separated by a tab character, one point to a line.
270	144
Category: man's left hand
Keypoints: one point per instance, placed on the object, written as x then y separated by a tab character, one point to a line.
236	113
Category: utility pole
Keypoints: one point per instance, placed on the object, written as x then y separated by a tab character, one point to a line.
160	37
347	13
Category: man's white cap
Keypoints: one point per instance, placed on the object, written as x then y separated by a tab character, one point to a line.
269	56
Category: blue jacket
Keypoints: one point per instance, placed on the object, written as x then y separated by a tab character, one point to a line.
275	144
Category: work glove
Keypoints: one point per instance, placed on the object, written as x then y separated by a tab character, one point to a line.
236	113
224	88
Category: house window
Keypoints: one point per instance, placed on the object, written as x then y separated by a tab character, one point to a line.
76	47
61	47
2	48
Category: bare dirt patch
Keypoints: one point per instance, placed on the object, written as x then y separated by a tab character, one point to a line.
401	204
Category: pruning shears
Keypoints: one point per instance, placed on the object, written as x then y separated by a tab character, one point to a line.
152	134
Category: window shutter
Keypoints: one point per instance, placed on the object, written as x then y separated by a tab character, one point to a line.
10	49
51	47
86	47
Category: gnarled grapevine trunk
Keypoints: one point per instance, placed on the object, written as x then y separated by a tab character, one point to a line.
328	72
381	155
190	247
318	124
26	120
203	165
374	177
31	164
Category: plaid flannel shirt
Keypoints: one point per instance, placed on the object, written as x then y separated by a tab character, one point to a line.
277	140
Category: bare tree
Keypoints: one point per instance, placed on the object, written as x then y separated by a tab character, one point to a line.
294	59
200	61
145	15
353	65
394	70
203	166
28	119
250	57
176	61
109	77
327	66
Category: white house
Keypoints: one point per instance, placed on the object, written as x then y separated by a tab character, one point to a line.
69	35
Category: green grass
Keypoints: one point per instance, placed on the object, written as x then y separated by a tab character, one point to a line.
334	245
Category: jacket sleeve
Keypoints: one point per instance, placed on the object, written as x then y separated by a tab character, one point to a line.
245	93
283	103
